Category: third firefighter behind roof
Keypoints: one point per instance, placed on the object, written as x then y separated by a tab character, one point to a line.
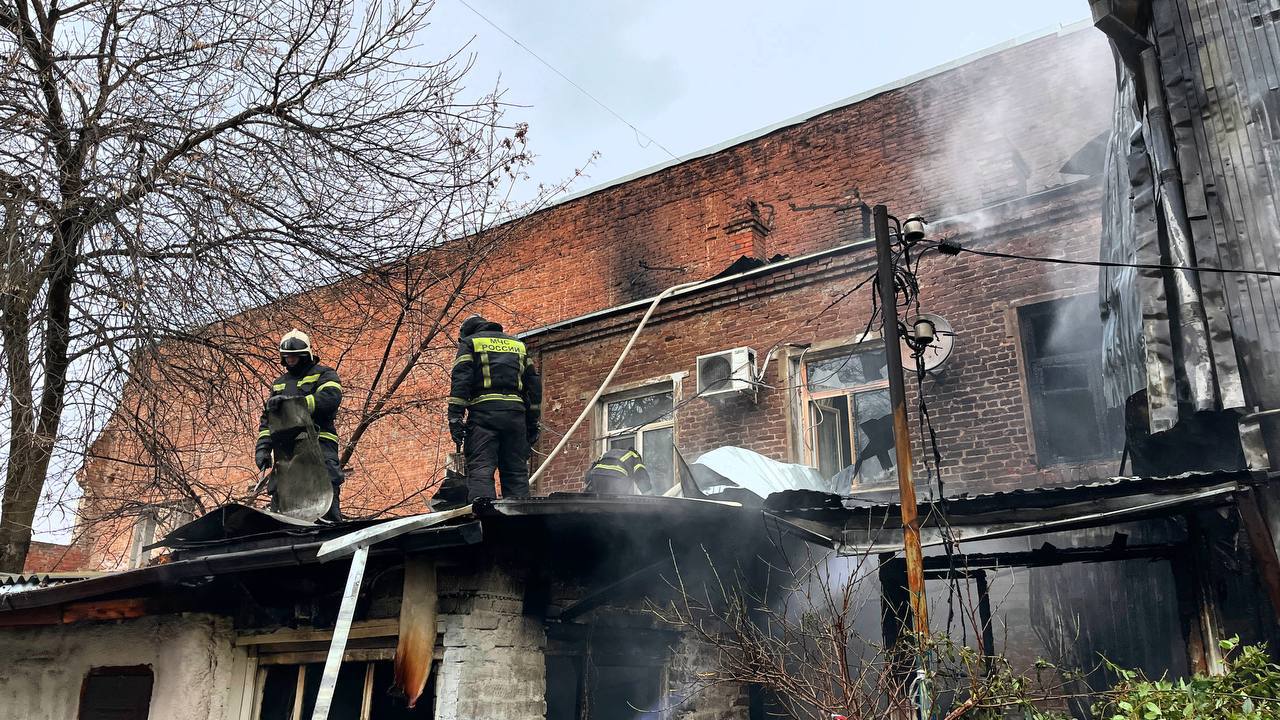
495	386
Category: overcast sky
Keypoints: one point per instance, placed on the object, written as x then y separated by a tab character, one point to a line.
693	74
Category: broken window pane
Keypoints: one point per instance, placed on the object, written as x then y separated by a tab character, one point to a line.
116	693
658	458
873	417
639	411
278	691
1062	348
863	367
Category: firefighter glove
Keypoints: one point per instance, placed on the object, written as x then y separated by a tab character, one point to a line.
262	457
457	431
274	402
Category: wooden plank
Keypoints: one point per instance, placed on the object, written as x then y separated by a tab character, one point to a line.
304	657
105	610
418	615
1262	544
388	627
346	612
35	616
346	544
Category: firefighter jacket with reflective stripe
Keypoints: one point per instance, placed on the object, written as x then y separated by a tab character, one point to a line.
493	369
319	386
616	470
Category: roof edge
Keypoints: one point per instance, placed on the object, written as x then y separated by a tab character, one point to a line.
1053	30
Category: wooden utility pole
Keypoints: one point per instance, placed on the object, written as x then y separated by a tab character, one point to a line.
901	440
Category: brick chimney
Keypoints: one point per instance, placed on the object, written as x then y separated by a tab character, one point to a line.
747	233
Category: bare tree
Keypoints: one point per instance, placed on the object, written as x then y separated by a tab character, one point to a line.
797	627
166	166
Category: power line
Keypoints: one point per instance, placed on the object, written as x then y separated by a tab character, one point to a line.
950	247
567	79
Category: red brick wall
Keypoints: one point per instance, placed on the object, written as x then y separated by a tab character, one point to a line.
977	403
45	557
990	130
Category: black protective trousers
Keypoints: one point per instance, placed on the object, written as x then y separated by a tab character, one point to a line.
497	439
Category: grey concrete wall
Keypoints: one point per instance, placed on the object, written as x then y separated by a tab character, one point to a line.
493	664
191	658
692	699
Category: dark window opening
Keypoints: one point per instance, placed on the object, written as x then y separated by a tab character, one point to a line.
610	677
116	693
289	693
1062	345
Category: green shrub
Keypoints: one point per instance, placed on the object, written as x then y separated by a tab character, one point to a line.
1248	690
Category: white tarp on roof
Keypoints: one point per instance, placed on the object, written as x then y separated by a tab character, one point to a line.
755	472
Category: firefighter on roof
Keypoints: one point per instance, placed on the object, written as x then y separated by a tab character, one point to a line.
494	404
319	387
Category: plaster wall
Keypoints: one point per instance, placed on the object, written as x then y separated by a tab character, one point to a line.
191	658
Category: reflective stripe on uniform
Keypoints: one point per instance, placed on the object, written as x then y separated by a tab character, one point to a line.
536	407
263	434
461	359
457	401
309	379
629	454
484	368
639	466
487	344
329	384
600	466
311	403
495	396
278	386
327	436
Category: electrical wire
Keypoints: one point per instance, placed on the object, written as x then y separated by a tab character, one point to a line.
564	440
569	80
954	248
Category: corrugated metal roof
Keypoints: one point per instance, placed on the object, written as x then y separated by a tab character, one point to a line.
23	582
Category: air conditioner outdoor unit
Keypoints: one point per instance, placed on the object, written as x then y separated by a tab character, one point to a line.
727	371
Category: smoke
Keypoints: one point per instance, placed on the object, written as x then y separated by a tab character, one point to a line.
1019	118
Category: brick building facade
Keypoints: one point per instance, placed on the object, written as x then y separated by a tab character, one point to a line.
982	143
806	323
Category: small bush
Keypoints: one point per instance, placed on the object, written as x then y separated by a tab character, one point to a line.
1248	690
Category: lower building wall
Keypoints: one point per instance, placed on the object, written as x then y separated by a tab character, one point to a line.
190	656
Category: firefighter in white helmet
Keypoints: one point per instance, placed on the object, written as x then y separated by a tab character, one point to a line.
318	385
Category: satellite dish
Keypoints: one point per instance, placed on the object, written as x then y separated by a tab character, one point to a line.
938	351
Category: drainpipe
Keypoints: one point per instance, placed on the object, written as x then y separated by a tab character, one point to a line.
1186	302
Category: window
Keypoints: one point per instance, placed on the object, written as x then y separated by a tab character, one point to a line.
607	675
1062	349
144	533
365	691
848	422
645	420
116	693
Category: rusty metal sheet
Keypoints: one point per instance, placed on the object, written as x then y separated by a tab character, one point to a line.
419	605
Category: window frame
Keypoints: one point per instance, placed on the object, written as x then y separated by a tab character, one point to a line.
1015	328
375	641
808	444
672	383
